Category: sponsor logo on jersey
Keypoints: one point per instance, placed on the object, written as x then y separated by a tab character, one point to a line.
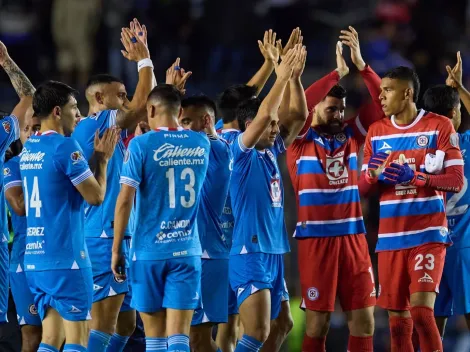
74	309
384	146
173	155
422	140
6	126
31	161
426	278
6	172
313	294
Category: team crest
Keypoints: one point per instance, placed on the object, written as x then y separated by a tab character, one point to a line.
335	169
341	137
454	140
6	126
443	231
6	172
33	310
76	157
119	281
422	141
312	294
276	191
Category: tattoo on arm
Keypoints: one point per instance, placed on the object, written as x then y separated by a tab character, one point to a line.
21	83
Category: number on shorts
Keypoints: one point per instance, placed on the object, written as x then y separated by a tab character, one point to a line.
430	262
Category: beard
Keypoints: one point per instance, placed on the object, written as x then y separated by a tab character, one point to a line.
332	127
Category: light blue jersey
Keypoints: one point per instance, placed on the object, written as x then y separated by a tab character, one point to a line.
12	178
228	222
214	193
100	219
458	214
258	200
167	167
51	166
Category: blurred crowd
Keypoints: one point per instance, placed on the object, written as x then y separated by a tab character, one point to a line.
217	40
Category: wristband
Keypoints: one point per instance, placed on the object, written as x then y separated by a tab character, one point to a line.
144	63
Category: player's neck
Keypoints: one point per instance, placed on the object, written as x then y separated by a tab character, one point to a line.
93	109
407	116
231	125
48	125
164	121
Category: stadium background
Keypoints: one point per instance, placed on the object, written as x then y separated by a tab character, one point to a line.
216	39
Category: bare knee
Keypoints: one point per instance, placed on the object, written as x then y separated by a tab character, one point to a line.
259	330
126	323
31	338
285	323
318	323
361	322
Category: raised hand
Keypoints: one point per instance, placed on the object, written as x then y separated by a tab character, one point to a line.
3	54
177	76
286	67
300	62
341	66
351	39
294	39
454	79
136	49
105	146
268	47
140	31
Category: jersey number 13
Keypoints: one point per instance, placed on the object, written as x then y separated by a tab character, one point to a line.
186	175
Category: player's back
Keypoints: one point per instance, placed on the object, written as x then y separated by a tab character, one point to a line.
51	165
100	219
458	216
12	178
168	168
410	215
214	194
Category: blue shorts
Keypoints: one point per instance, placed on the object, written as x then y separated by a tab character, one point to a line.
4	271
69	292
159	284
232	301
104	283
24	301
214	295
454	289
252	272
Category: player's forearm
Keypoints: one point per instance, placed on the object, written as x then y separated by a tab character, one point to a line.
261	77
271	103
319	89
372	82
100	170
451	181
465	97
298	112
121	219
285	103
21	83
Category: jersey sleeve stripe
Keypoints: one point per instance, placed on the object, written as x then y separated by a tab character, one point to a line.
242	147
12	184
16	126
280	143
129	181
82	177
453	162
407	233
360	127
112	118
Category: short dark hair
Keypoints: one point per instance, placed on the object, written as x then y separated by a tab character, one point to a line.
49	95
231	97
404	73
441	99
102	78
168	94
200	101
247	111
338	91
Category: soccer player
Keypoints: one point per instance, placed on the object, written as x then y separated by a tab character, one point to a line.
9	132
163	174
113	320
56	178
413	233
27	313
333	252
256	267
199	115
454	292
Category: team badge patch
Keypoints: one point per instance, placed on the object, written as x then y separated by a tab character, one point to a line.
6	126
422	140
454	140
6	172
312	294
76	157
341	137
33	310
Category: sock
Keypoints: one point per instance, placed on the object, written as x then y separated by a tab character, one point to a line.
75	348
401	330
98	341
415	340
313	344
429	337
47	348
360	344
155	344
117	343
248	344
178	343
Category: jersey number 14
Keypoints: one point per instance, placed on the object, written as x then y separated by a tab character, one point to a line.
34	201
187	173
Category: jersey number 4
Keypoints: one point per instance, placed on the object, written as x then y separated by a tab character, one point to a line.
34	201
187	173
